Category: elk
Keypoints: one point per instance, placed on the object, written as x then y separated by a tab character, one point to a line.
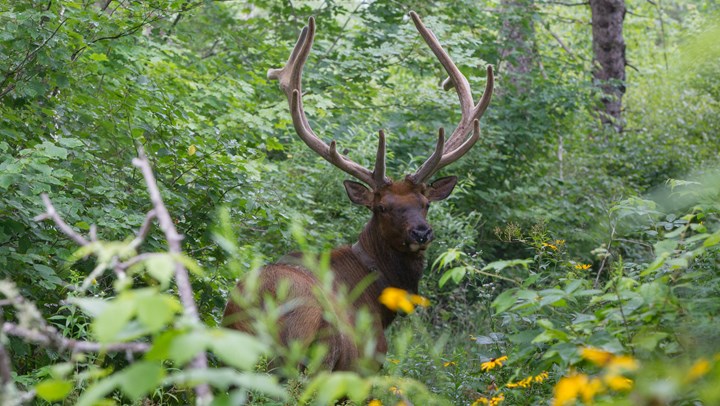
390	249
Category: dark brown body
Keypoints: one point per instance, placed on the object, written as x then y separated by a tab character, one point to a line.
390	249
377	260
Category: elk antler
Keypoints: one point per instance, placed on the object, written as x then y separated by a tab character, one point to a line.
457	145
290	78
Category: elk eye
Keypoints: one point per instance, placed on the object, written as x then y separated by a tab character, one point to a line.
382	209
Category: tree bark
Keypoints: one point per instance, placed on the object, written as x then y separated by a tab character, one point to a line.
609	58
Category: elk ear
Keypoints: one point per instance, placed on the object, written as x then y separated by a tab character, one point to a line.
441	188
358	193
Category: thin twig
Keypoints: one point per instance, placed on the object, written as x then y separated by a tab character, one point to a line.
144	230
48	337
182	279
5	367
342	29
51	213
136	259
561	42
604	261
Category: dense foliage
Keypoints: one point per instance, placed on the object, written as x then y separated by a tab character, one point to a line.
588	258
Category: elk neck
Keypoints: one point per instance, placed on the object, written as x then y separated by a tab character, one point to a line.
397	269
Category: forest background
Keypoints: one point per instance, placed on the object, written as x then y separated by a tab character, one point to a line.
581	244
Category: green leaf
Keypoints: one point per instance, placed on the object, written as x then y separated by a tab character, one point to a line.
160	349
456	274
114	318
224	378
500	265
331	387
236	348
47	273
186	346
90	305
161	267
140	378
648	340
53	151
95	392
504	301
157	310
53	389
713	240
98	57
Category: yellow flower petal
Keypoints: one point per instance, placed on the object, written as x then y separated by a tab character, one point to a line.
618	382
419	300
596	356
622	363
495	362
396	299
699	369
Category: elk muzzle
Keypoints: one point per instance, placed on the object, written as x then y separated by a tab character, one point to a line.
420	237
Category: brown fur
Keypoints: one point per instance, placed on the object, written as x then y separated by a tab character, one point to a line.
397	260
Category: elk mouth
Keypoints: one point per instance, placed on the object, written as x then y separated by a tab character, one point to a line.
417	247
419	243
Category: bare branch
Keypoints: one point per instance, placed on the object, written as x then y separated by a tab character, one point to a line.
561	42
182	279
49	337
51	213
5	367
144	230
122	266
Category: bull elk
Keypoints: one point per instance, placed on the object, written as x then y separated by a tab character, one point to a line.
390	249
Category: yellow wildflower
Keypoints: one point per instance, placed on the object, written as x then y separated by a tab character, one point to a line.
395	390
524	383
393	361
699	369
494	362
374	402
449	363
419	300
583	267
570	388
618	382
494	401
551	246
540	377
622	363
596	356
559	242
399	299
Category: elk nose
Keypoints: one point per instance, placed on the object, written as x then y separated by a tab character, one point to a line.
422	234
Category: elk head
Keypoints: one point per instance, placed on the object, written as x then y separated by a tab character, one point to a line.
399	208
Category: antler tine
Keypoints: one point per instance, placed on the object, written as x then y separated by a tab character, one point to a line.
428	168
455	76
457	145
290	78
379	172
461	130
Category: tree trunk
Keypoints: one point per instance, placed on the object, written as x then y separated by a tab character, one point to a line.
517	35
609	57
